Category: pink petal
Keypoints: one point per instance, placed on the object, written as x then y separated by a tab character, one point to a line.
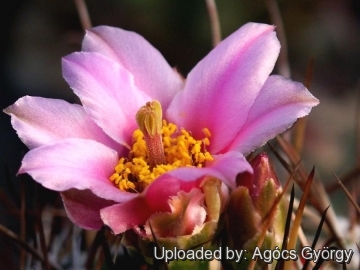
278	105
107	91
40	121
222	87
75	163
124	216
225	167
152	74
83	208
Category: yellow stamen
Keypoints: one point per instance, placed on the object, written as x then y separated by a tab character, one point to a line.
207	132
180	150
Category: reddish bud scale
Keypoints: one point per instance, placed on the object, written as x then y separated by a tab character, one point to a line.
263	172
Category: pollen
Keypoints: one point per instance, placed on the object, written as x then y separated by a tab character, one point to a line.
134	173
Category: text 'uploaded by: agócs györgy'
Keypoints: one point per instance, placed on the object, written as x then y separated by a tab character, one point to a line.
267	255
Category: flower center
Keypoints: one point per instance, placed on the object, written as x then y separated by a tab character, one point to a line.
158	147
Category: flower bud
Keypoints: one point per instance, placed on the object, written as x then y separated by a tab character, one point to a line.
191	212
250	206
191	224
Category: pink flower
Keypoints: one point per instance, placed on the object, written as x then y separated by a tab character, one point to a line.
228	99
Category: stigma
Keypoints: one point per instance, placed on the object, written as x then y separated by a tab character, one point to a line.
149	120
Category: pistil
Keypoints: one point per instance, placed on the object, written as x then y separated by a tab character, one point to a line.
149	120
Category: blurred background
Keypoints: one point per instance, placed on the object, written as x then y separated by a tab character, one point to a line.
35	34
